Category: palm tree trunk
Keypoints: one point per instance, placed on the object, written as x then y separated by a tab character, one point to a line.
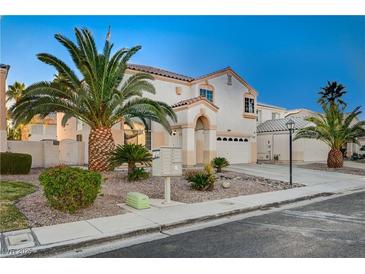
335	158
131	167
101	144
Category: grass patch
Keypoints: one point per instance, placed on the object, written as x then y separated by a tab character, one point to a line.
10	217
11	191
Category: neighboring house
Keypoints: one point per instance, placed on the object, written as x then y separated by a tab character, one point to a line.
43	129
216	116
273	142
267	112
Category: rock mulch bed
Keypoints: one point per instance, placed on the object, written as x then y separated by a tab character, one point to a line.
115	188
346	170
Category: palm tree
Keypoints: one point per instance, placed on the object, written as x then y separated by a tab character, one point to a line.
15	91
104	96
131	154
336	129
332	94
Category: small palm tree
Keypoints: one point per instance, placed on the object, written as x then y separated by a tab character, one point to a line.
336	129
131	154
219	162
103	97
332	94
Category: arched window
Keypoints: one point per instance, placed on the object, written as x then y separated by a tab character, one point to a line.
246	140
240	140
235	139
219	139
224	139
230	139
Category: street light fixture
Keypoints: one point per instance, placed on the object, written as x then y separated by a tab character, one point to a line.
290	126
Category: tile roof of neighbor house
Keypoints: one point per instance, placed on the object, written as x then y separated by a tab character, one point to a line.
173	75
270	106
160	72
280	124
191	101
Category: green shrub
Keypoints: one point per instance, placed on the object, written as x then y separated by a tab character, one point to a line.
189	174
203	179
219	162
131	154
69	189
138	174
15	163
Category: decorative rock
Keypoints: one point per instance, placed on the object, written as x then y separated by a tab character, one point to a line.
226	184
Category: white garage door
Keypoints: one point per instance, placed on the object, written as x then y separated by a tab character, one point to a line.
235	152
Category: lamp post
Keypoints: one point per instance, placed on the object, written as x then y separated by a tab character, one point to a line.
290	126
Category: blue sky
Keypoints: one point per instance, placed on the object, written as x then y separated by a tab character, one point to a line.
286	58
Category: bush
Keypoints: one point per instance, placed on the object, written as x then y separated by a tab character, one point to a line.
189	174
15	163
69	189
219	162
202	179
138	174
131	154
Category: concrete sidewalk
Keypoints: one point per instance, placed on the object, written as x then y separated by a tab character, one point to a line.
71	235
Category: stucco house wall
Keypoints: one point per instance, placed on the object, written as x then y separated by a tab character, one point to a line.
228	120
304	150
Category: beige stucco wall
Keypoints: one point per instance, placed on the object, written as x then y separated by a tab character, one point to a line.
304	150
266	112
228	119
47	153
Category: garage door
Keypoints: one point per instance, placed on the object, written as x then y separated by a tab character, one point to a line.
235	150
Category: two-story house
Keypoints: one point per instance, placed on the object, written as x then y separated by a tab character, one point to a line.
216	116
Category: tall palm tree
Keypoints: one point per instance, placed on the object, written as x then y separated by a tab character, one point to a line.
336	129
101	98
15	91
332	94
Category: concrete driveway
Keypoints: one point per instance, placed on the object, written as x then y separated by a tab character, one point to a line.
300	175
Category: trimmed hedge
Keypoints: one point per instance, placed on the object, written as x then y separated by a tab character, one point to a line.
15	163
69	189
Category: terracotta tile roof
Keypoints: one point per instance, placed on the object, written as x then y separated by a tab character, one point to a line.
173	75
212	73
191	101
161	72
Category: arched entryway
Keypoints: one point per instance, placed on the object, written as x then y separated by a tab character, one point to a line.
201	140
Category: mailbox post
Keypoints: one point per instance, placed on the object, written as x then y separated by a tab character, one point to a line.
167	162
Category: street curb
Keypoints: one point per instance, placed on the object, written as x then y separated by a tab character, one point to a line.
77	244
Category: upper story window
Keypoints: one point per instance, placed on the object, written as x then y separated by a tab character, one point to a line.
275	116
249	105
259	115
207	94
79	125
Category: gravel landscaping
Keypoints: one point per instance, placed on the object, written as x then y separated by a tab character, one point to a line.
346	170
115	188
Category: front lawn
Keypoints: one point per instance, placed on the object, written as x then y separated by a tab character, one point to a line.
10	216
114	190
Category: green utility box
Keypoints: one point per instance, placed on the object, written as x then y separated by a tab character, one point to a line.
138	200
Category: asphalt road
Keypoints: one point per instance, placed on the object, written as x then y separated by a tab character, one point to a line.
330	228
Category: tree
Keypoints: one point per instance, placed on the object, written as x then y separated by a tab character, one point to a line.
131	154
104	96
332	95
14	93
334	128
